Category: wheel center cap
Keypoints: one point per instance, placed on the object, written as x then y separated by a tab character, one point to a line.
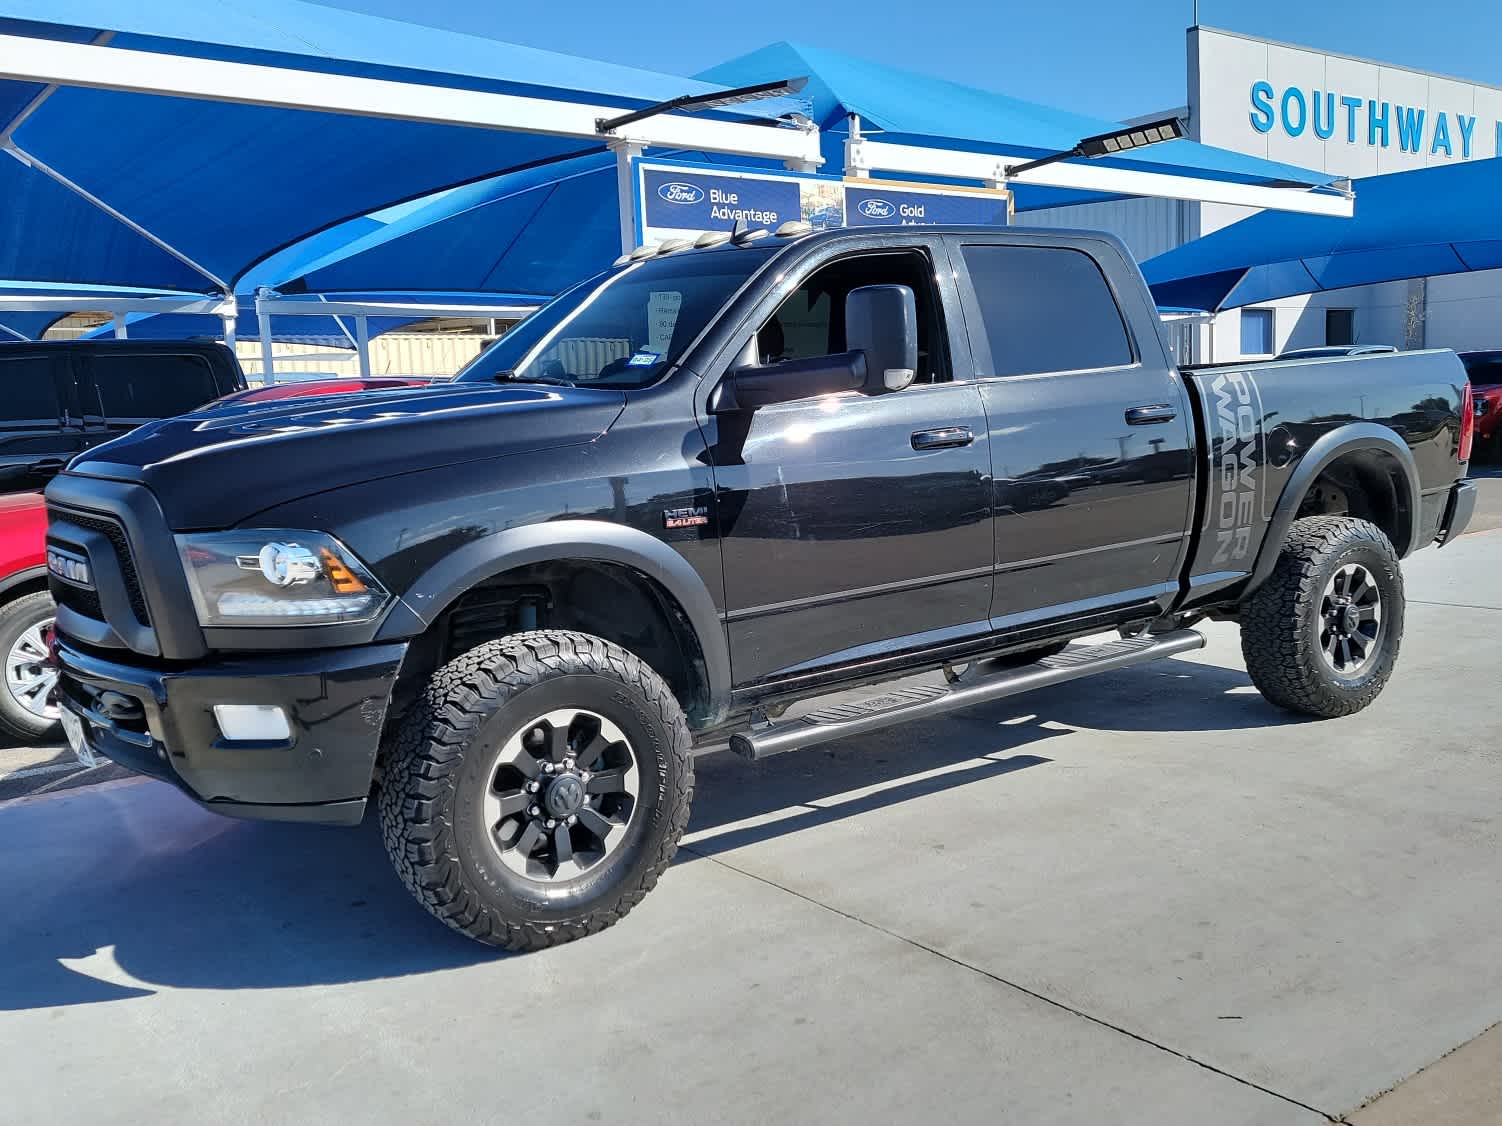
1350	619
564	796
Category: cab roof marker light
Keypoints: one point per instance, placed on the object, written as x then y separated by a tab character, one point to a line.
795	228
621	261
673	245
745	238
643	252
712	238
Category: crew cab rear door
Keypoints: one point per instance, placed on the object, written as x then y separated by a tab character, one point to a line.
1092	435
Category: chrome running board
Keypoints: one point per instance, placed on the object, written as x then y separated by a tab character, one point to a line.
900	705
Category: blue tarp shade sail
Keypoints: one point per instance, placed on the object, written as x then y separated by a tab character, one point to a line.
1417	224
25	326
903	107
543	229
228	184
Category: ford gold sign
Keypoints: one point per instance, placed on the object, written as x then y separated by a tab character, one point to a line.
69	568
677	192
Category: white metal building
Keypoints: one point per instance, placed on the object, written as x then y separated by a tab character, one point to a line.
1347	116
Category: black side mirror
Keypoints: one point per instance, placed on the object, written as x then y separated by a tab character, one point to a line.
882	322
761	385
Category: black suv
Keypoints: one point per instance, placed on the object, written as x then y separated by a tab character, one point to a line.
61	397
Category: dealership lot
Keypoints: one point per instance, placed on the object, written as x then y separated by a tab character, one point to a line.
1148	898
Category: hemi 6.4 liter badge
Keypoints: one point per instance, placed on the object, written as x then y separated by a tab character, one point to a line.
695	517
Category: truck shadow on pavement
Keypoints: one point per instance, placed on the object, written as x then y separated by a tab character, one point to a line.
129	889
739	803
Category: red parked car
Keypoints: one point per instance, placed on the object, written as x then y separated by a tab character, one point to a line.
27	709
1485	372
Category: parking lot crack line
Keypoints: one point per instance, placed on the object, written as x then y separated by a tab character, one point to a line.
1453	605
960	962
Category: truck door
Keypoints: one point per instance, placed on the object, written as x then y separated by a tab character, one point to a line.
854	524
1091	429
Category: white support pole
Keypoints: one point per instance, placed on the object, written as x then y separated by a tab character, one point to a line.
120	330
856	165
268	361
362	343
625	193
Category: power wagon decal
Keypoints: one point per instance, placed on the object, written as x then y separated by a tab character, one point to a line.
1235	409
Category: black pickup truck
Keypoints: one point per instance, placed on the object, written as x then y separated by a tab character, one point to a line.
692	496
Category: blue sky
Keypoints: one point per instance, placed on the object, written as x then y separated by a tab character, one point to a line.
1109	58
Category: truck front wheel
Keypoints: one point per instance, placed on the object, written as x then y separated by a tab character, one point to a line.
538	789
1321	636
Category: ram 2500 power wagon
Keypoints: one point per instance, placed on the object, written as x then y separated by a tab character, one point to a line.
695	494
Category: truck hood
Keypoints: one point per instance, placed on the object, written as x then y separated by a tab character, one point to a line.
217	466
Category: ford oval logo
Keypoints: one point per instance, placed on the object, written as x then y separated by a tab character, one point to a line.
877	209
680	193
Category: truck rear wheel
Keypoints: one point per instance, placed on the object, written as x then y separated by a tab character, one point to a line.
1321	636
538	789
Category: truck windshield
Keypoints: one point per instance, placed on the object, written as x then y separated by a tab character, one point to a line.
622	329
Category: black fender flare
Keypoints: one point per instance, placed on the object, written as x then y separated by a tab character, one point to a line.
1355	437
10	582
591	540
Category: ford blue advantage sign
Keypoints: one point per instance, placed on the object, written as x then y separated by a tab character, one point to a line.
876	205
687	200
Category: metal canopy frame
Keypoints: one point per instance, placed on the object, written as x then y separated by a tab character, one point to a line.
269	304
149	72
120	307
863	156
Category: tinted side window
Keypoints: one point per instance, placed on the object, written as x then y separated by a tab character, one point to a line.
1045	309
27	390
148	386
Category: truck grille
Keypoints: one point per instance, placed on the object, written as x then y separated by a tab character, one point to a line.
80	601
86	601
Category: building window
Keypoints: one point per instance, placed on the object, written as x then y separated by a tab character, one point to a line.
1256	332
1340	326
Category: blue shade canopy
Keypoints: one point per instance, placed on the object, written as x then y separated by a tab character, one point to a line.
228	184
916	109
542	229
1417	224
25	326
532	232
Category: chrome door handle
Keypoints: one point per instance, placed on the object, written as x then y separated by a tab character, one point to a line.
945	437
1148	415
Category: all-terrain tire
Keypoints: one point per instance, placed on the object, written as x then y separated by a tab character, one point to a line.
27	618
1281	623
442	765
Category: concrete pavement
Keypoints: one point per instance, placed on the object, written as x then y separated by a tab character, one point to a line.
1148	898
